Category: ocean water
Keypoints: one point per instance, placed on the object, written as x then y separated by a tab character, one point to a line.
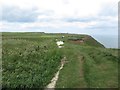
109	41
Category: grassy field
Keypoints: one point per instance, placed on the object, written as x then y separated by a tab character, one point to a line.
31	60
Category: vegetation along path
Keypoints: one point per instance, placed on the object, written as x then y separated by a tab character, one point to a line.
52	84
32	60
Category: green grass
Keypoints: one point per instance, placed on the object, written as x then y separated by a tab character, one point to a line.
32	59
70	75
29	63
100	68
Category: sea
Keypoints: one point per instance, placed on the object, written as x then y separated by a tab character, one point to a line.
109	41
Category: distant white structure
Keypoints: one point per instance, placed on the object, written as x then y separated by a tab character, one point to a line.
60	44
63	36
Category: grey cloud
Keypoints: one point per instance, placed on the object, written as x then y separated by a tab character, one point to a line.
109	10
85	19
16	14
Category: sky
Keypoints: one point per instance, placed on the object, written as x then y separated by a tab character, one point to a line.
94	17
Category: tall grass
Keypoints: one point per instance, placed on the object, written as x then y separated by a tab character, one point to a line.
29	63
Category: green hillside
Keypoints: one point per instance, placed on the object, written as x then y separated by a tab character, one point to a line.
30	60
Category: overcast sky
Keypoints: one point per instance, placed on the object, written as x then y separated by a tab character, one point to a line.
67	16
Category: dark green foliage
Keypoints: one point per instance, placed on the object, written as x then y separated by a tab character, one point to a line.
30	60
29	63
92	42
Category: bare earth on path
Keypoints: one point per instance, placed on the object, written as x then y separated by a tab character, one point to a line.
52	84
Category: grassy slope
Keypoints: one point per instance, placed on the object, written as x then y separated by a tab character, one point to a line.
88	64
100	66
27	61
99	72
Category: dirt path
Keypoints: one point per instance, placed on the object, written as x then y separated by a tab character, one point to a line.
52	84
82	80
81	66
